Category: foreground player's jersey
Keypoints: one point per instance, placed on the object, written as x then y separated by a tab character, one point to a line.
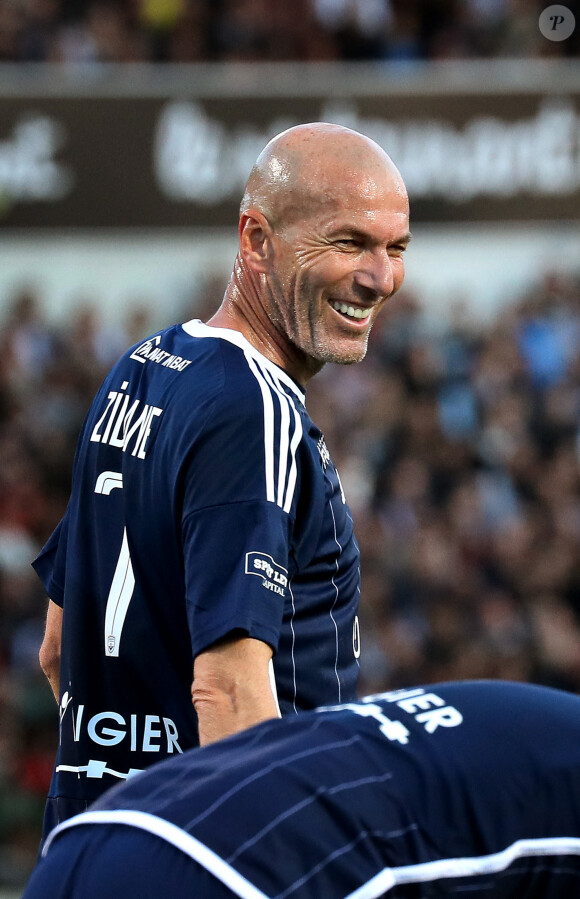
204	501
454	790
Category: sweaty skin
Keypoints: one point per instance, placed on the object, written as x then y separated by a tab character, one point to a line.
324	220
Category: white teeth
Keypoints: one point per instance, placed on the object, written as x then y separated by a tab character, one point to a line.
349	311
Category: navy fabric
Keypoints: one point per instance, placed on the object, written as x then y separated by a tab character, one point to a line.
204	502
121	863
450	790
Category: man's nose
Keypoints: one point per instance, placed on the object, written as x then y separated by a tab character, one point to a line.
375	273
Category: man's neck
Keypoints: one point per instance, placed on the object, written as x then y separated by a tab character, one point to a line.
242	309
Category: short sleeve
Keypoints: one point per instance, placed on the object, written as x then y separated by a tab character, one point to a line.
50	564
239	507
236	563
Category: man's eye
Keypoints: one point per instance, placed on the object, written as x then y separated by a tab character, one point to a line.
347	242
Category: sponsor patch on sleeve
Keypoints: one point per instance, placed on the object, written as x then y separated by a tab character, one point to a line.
274	576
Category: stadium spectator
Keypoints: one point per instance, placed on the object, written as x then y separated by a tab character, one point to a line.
98	32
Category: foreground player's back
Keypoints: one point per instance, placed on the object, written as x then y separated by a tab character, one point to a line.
456	789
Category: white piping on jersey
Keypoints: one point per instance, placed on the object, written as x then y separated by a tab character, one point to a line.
281	762
293	447
374	888
332	618
286	446
283	494
171	834
445	868
284	434
196	328
280	485
268	431
294	685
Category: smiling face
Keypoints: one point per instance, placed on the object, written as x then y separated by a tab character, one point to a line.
323	227
336	266
337	221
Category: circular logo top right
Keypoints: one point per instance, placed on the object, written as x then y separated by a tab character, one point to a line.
557	23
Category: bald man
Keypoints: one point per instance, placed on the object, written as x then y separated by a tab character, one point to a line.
205	576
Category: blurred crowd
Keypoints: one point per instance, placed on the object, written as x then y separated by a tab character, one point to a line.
459	451
183	31
460	454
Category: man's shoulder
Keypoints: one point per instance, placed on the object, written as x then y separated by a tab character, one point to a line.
197	367
172	349
252	383
170	365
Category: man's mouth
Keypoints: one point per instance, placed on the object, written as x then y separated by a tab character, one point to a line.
354	312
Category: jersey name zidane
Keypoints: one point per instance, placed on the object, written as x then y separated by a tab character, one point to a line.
204	501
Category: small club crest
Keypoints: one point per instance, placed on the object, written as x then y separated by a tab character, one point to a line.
323	450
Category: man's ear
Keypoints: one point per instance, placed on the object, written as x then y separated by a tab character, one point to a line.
255	240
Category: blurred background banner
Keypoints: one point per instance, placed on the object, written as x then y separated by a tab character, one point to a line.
176	152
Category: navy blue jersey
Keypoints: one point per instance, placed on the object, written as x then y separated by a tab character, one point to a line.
456	789
204	502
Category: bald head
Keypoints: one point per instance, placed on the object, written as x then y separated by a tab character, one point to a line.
309	167
324	224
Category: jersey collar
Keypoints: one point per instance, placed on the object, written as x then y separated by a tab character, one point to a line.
197	328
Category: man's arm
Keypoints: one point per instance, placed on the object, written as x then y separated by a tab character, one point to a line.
49	655
232	687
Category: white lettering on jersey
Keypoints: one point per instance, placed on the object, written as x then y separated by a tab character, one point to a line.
432	712
149	351
125	426
108	481
323	450
274	576
395	731
356	637
145	733
141	354
427	708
